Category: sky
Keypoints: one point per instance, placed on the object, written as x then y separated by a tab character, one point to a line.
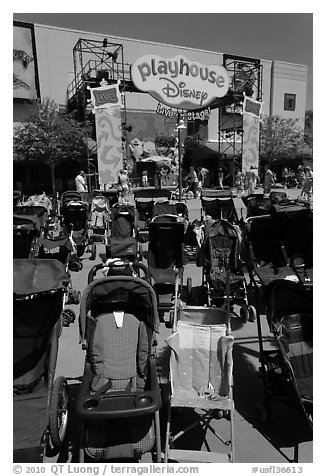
273	36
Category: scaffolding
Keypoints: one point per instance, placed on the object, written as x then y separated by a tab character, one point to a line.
245	77
95	60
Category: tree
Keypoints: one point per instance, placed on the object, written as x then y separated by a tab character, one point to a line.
308	128
50	135
282	138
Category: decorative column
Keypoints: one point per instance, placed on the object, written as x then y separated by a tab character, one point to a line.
251	126
106	101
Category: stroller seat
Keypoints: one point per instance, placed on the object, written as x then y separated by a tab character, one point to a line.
201	366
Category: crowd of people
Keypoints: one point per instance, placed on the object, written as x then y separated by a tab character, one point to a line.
196	180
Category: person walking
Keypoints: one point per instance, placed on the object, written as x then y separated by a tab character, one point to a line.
193	181
220	177
123	182
251	179
144	178
285	175
80	182
268	179
306	191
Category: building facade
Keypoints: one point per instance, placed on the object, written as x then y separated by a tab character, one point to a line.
52	62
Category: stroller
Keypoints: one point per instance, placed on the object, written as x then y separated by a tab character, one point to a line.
166	259
119	398
218	204
287	370
144	201
100	218
275	243
61	249
201	380
28	225
74	219
17	197
39	212
164	206
119	267
219	256
40	402
122	242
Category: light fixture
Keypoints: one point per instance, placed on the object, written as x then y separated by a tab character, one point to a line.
113	55
181	125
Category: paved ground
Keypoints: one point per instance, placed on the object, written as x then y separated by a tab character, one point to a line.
284	439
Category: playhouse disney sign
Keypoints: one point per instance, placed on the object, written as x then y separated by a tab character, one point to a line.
179	82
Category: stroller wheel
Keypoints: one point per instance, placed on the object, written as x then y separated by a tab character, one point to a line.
58	418
68	317
93	252
252	313
244	313
189	287
80	250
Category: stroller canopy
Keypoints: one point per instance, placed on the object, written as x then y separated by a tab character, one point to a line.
38	275
128	293
285	297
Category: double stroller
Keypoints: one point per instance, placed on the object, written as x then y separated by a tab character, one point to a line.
218	204
219	256
74	219
144	201
40	401
280	245
119	399
287	370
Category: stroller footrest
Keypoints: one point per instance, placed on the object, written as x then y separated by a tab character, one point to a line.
197	456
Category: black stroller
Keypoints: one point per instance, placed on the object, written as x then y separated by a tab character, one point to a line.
144	201
287	370
60	248
119	398
164	206
100	219
74	218
219	255
218	204
123	242
40	402
29	224
39	212
166	259
279	245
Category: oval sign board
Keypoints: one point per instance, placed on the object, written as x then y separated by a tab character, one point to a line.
179	82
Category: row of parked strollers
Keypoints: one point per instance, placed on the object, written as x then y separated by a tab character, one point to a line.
119	401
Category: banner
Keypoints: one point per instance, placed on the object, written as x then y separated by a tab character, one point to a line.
106	101
109	144
251	127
